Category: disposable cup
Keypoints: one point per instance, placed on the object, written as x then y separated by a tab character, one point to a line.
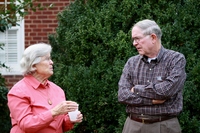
73	115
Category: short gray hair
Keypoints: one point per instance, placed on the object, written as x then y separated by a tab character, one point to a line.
32	55
148	27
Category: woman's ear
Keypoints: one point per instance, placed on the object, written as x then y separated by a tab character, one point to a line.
34	66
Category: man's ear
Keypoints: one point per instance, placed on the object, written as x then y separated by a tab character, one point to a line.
154	37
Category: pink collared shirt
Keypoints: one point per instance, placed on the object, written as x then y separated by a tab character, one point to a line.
30	109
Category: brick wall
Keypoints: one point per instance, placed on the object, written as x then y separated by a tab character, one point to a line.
11	80
38	25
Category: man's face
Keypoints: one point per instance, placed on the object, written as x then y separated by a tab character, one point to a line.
143	43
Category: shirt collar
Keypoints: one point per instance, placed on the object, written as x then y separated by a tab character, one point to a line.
158	58
161	53
34	82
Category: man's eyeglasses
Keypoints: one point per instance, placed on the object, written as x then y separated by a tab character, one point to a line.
138	39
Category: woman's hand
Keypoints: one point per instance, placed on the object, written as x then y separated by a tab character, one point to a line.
79	118
64	107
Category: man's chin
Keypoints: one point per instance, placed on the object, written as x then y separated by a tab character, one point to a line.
140	52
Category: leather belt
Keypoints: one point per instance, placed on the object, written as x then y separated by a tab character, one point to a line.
147	119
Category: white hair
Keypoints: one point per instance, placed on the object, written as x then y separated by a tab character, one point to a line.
32	55
148	27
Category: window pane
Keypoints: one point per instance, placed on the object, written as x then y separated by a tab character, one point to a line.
9	52
6	6
13	40
2	6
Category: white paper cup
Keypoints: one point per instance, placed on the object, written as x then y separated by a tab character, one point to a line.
73	115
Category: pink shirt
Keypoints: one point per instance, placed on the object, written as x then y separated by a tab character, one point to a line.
30	110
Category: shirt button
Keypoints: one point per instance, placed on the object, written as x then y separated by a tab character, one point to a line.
150	69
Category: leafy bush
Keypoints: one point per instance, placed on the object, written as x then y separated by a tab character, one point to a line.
93	42
5	123
15	12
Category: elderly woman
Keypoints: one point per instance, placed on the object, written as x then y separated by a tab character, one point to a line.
36	104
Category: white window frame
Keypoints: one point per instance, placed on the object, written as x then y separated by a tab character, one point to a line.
14	67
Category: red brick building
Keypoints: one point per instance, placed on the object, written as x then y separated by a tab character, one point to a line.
37	26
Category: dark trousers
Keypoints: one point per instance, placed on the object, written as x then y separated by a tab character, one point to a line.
167	126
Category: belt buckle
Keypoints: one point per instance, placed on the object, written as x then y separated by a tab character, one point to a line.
143	120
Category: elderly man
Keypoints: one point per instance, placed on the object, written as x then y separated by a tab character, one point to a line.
151	83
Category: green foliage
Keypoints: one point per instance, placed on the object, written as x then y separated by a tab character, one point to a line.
2	65
93	42
17	9
5	123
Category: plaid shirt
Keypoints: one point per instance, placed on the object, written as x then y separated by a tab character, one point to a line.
162	78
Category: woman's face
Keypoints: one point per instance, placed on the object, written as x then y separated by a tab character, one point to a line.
45	67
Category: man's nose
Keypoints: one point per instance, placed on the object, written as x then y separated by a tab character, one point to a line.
135	43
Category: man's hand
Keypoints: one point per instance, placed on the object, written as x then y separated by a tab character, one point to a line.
158	101
153	101
132	89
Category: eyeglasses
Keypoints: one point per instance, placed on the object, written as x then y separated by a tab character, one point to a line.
138	39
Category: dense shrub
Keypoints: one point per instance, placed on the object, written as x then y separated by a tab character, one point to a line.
92	44
5	124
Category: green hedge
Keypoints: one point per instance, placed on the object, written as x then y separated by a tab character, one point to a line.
93	42
5	123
